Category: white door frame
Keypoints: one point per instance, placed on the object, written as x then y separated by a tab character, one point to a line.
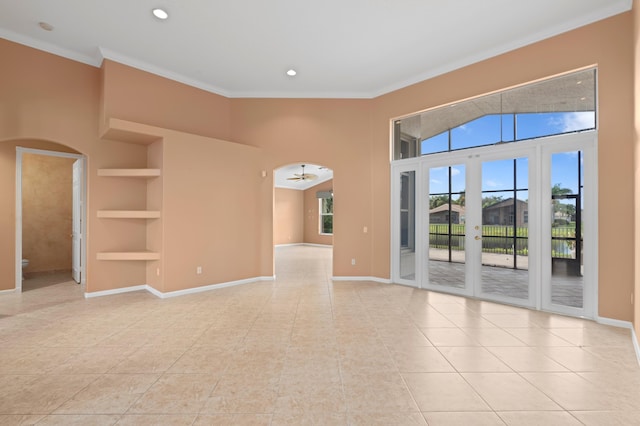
472	160
587	143
539	194
409	165
83	210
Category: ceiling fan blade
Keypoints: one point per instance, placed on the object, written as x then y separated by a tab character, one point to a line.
295	178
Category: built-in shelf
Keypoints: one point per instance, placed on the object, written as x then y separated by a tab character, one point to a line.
141	173
130	132
128	255
128	214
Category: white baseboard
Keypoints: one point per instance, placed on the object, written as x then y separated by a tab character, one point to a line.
11	290
176	293
623	324
115	291
636	343
374	279
303	244
614	322
209	287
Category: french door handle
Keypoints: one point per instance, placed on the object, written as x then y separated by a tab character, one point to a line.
478	237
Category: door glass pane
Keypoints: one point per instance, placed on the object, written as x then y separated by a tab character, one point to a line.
447	226
408	225
505	228
567	286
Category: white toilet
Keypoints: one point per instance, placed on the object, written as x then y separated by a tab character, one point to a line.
25	263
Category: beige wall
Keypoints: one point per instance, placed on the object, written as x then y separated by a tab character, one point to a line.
311	215
211	211
334	133
141	97
636	140
46	212
607	44
288	218
49	98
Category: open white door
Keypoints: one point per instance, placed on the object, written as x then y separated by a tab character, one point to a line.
76	227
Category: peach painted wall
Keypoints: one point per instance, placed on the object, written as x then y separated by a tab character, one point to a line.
311	215
155	227
607	44
142	97
288	223
49	102
211	211
636	51
332	132
50	98
46	212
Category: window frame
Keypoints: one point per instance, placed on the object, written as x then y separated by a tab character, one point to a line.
321	216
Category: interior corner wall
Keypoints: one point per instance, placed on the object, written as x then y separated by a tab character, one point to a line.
636	139
155	227
333	132
141	97
288	222
312	215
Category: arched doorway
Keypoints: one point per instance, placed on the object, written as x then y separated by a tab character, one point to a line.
303	209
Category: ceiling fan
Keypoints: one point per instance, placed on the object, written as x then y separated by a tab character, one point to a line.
302	176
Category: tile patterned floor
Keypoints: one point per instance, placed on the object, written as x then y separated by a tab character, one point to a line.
304	350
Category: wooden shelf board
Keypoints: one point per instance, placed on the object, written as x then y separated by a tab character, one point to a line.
128	214
142	173
128	255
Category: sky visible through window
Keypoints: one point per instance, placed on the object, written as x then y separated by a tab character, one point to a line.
492	129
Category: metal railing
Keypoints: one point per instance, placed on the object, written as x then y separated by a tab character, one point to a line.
501	239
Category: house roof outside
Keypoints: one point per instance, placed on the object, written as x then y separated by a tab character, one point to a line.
445	207
504	203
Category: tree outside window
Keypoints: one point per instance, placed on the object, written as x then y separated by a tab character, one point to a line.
326	215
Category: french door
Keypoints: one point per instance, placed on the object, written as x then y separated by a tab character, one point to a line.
513	223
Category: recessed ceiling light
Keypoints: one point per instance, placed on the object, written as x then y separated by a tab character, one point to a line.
160	13
45	26
291	72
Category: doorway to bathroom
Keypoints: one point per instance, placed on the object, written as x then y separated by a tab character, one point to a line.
50	218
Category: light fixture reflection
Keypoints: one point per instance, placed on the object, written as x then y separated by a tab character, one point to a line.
160	13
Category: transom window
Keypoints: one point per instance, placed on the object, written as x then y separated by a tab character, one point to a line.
559	105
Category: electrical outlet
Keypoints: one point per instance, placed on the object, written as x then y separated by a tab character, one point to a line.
353	261
199	270
158	271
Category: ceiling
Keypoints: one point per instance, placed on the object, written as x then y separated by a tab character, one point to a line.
282	174
340	48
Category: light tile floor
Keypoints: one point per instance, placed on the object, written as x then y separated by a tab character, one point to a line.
304	350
